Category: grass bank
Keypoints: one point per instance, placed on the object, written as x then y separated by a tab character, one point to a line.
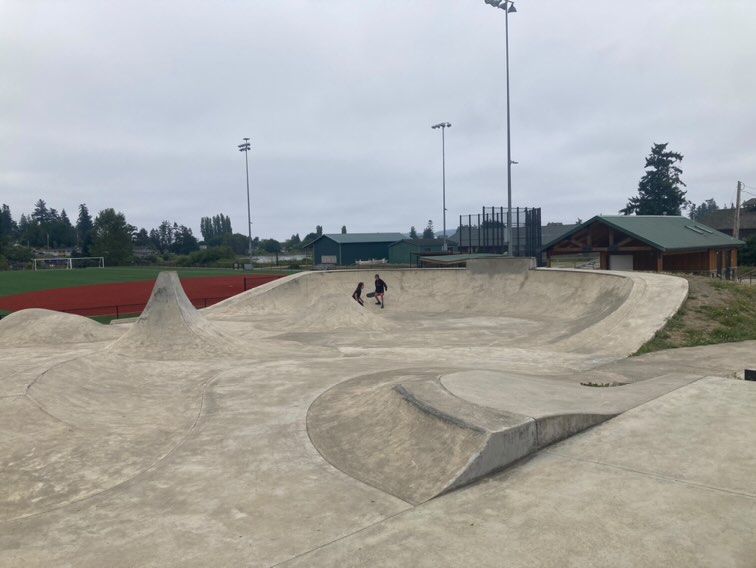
716	311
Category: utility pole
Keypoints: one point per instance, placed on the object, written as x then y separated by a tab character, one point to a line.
443	126
736	228
245	147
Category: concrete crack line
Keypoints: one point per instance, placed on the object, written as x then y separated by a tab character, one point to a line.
650	474
149	468
358	531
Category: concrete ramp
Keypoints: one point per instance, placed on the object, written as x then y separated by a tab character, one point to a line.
417	434
409	436
371	431
170	327
46	327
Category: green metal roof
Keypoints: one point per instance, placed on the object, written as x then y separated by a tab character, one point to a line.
454	258
353	238
666	233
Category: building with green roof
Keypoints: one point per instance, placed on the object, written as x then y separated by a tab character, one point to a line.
344	249
650	242
407	251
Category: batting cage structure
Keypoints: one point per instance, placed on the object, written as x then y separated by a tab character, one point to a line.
486	232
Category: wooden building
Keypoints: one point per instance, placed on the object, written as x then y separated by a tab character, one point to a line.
651	243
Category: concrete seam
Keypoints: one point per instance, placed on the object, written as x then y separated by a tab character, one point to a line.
358	531
651	474
39	405
135	476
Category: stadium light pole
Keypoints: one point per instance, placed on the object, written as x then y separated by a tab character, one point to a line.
443	126
508	7
245	148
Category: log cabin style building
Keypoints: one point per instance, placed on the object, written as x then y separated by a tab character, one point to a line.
650	243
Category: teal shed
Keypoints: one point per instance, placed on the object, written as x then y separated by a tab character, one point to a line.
407	251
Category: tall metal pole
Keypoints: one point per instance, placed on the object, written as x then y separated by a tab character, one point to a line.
245	148
443	126
444	248
508	6
509	139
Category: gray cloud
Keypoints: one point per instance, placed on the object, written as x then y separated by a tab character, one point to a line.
140	106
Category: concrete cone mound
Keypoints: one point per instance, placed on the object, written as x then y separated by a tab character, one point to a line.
170	327
37	326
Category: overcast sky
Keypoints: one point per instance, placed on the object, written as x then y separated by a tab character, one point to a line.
139	106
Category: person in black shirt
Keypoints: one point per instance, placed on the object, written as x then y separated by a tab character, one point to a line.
380	288
358	294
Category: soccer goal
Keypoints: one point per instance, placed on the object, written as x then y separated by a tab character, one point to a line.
69	263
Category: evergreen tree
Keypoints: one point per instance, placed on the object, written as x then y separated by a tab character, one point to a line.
41	214
165	236
184	241
23	228
659	191
112	237
8	227
428	231
699	212
413	232
84	226
62	232
343	230
294	242
142	238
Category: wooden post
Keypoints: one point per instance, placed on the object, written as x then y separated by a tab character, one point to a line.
736	228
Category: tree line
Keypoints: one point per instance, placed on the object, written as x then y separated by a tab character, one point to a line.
108	234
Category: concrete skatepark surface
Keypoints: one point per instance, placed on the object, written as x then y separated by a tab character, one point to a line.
288	426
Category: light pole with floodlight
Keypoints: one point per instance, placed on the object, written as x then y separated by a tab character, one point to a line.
508	7
443	126
245	148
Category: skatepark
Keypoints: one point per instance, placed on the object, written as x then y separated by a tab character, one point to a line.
488	416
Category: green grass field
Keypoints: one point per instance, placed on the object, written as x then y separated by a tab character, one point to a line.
20	282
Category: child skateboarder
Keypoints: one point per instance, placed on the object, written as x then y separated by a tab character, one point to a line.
358	293
380	288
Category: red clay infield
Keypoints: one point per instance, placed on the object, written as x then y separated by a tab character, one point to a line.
130	297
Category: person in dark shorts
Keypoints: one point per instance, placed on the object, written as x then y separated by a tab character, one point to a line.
380	288
358	293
